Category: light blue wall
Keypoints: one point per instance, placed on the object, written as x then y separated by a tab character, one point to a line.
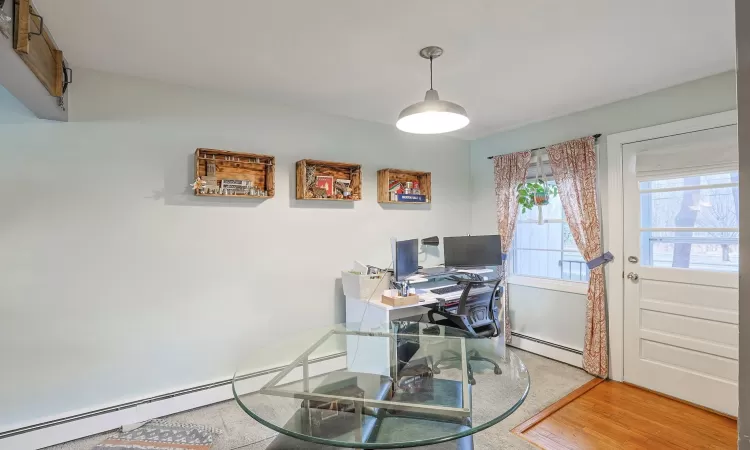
109	248
696	98
12	110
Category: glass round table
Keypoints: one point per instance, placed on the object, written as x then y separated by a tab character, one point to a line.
406	385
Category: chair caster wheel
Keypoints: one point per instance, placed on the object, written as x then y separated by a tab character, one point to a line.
498	371
472	381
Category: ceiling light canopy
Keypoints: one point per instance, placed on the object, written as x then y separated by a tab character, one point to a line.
432	116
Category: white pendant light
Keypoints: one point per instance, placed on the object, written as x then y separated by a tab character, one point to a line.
432	116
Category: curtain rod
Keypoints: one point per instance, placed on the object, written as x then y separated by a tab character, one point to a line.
596	136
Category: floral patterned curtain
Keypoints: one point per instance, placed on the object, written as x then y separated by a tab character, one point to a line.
573	165
510	171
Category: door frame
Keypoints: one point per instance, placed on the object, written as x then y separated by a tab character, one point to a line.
614	236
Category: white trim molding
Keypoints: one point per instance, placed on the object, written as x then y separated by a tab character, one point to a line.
66	429
614	271
548	350
551	284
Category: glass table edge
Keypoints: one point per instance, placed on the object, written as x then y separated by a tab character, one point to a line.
374	445
272	387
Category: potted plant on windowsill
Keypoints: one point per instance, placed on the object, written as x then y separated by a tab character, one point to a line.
535	193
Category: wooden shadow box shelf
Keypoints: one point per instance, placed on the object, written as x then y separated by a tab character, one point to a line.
234	174
386	177
328	180
34	44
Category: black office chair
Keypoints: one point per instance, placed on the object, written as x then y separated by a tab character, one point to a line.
476	315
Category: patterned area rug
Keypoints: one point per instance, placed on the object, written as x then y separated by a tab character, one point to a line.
159	435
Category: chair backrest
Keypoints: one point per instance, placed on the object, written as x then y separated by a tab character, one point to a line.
481	310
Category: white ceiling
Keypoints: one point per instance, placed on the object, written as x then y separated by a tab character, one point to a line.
508	62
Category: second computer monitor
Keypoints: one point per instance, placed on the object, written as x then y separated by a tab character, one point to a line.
406	261
473	251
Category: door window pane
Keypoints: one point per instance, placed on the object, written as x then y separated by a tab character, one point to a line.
698	180
691	250
696	211
693	208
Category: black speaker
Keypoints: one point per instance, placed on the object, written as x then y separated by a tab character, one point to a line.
434	240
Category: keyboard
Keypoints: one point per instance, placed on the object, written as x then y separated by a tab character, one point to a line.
447	289
453	293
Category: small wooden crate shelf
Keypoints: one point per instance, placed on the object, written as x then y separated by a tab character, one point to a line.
34	44
386	176
259	170
307	188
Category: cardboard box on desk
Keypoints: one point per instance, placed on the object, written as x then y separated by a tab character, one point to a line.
391	298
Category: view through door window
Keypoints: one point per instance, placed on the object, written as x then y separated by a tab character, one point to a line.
691	222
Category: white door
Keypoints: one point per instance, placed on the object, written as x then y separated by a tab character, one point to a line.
681	266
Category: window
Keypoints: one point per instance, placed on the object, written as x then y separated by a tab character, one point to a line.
547	250
691	222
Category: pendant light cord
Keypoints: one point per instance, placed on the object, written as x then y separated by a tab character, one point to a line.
430	72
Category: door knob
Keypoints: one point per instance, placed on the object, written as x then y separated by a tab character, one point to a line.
633	276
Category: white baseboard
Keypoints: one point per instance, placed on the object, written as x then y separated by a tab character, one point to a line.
76	429
558	354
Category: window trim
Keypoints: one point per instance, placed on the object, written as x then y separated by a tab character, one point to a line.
550	284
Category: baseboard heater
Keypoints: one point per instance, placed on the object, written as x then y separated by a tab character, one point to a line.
543	342
133	404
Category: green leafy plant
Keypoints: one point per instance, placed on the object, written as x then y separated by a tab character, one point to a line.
534	193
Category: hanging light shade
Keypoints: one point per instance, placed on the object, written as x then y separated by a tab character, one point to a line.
432	116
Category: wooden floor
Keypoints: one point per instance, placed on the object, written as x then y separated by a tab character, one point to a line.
613	415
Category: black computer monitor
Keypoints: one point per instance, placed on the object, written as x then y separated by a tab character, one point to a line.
473	251
406	260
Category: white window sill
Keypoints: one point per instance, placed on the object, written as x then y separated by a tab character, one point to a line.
574	287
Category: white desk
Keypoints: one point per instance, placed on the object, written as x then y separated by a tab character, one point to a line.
375	315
